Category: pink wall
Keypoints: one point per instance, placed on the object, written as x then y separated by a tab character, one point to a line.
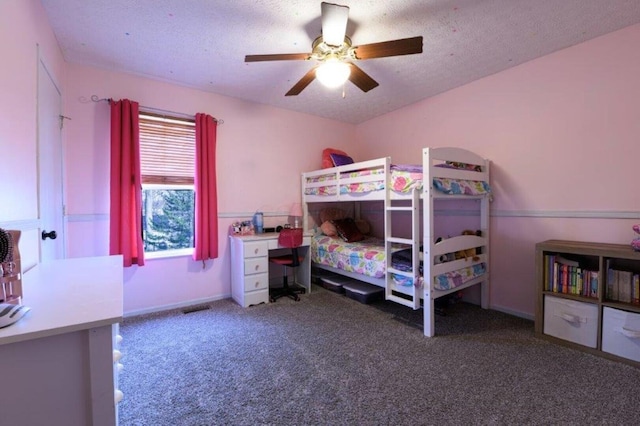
261	152
562	134
26	38
19	75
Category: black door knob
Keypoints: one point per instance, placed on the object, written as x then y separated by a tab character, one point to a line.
50	234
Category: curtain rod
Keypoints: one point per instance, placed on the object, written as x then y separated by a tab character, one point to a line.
95	98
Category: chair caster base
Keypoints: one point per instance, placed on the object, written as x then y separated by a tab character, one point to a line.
288	292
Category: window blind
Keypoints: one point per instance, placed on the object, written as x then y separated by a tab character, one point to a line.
167	150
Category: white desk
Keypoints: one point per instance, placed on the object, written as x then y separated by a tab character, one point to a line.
250	267
59	359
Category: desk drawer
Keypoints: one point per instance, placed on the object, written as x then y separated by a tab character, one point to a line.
256	249
621	333
256	282
258	265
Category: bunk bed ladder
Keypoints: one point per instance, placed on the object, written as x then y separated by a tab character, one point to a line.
410	297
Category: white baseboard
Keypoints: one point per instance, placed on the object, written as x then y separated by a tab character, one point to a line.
185	304
518	314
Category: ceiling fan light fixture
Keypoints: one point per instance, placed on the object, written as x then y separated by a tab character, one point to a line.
333	73
336	56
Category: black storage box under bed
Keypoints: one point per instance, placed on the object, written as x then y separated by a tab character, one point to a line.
363	292
334	283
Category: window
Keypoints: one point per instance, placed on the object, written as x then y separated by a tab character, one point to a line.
167	162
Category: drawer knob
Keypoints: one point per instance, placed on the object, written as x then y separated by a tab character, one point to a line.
117	355
256	251
257	267
118	395
257	284
119	367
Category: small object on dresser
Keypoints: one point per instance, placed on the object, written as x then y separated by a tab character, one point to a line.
258	221
236	227
11	276
246	228
10	313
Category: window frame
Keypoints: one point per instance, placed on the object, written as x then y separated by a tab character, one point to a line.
169	186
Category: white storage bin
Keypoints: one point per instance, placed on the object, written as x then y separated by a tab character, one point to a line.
621	333
571	320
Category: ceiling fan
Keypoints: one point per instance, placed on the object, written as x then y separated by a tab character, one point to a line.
335	53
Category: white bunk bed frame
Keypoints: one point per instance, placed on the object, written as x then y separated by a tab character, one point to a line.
413	295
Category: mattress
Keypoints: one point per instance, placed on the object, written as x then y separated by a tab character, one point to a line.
401	260
403	179
363	257
367	257
447	281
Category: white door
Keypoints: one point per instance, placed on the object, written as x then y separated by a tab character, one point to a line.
50	196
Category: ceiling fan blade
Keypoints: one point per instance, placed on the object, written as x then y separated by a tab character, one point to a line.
361	78
405	46
304	82
278	57
334	23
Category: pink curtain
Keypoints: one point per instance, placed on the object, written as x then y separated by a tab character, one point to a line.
206	233
125	230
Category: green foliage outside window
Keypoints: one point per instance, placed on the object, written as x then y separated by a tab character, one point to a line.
167	219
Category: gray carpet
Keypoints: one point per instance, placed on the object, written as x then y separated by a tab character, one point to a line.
329	360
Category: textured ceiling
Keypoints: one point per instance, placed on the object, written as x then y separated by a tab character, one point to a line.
202	43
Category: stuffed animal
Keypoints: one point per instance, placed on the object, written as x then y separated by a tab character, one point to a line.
443	257
469	253
635	244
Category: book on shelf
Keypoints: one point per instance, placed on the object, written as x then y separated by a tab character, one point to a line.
562	275
612	284
546	272
623	286
593	281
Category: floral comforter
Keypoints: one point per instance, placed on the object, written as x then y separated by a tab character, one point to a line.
363	257
445	281
403	180
367	257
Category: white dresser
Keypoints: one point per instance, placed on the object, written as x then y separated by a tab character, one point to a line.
250	267
62	357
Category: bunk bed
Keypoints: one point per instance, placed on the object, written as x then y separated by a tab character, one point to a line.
418	268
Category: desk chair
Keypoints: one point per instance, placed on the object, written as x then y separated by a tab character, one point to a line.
288	238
